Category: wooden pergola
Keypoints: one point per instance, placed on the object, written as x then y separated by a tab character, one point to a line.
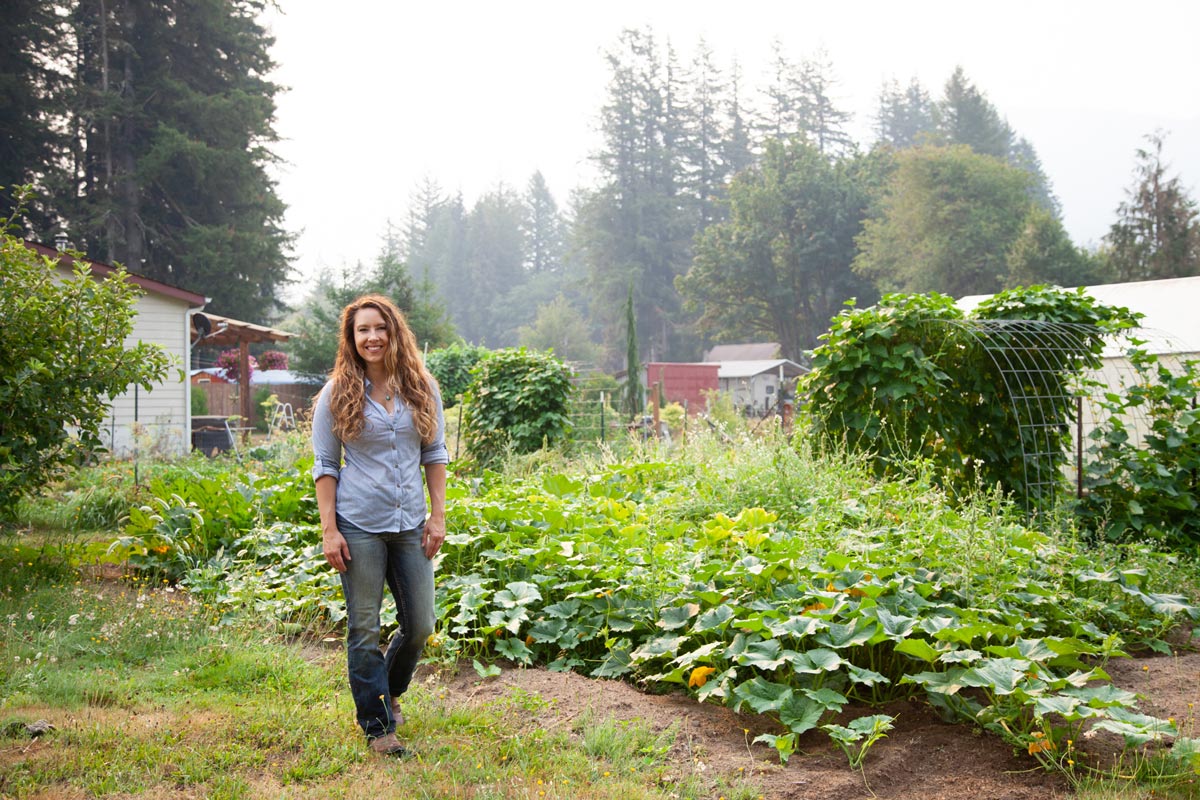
217	331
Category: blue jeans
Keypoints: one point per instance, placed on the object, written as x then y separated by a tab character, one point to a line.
398	560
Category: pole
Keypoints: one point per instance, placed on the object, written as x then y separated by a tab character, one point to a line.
133	433
602	418
458	438
1078	448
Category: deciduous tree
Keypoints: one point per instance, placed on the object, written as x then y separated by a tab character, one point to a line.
946	223
779	268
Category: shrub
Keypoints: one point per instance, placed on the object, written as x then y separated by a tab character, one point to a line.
452	366
518	401
1147	488
62	356
199	402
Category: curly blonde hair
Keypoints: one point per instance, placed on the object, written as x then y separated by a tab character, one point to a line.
407	376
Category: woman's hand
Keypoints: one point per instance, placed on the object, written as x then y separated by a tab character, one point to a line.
337	552
435	534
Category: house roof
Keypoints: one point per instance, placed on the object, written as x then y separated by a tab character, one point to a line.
1171	322
753	351
748	369
226	332
104	270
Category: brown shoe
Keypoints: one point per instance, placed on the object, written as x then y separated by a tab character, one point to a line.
397	714
387	745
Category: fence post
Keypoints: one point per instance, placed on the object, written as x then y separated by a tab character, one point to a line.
602	439
1079	448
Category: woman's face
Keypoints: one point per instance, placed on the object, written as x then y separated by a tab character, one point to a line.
370	335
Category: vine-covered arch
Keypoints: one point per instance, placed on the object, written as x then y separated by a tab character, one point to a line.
1041	368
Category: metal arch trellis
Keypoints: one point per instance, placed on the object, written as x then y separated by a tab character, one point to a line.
1041	365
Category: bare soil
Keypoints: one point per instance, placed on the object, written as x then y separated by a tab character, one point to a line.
923	757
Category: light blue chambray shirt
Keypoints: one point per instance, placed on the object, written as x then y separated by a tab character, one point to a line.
380	487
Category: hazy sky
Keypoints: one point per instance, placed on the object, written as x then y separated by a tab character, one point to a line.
382	93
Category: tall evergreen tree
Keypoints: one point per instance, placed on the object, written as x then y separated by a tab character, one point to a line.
172	144
1157	232
779	117
631	396
634	226
542	227
490	277
906	116
967	117
820	119
703	159
738	146
32	92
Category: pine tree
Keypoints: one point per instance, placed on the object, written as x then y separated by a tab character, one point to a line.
906	116
634	226
542	227
171	141
1157	232
820	119
737	148
32	91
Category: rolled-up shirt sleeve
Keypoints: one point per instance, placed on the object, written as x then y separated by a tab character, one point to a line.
435	452
327	448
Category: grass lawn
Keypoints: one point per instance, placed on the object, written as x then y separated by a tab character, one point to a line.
148	698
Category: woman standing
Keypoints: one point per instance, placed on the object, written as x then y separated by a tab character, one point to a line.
382	413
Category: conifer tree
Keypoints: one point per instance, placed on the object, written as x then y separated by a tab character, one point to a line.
1157	232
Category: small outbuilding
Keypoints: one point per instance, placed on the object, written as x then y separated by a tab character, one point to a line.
755	386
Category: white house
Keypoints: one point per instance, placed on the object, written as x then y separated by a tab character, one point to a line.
161	416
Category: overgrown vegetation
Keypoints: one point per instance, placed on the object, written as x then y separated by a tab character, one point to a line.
826	587
518	401
150	697
911	378
62	356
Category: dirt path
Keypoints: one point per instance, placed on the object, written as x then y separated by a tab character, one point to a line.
923	758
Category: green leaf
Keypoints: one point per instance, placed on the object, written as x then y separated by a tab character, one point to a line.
827	698
519	593
762	655
762	695
675	618
918	648
840	636
801	714
514	649
948	682
895	626
1001	675
657	647
616	663
865	676
490	671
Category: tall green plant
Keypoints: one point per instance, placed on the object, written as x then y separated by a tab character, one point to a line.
518	401
62	356
631	396
1147	488
910	379
451	367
